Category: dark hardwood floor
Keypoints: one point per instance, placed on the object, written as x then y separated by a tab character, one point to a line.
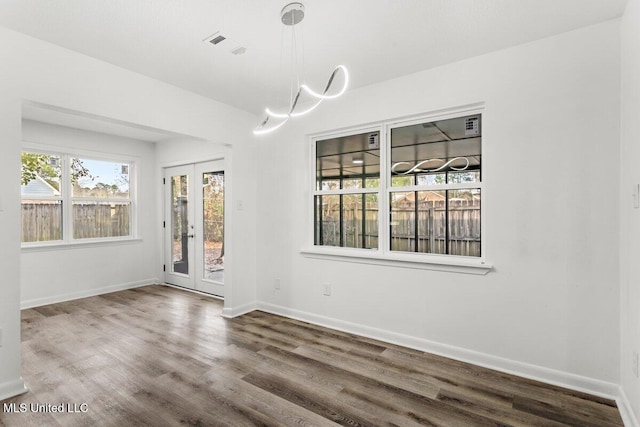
161	356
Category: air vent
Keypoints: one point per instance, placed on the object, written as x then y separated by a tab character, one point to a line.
374	140
54	161
217	39
472	126
124	170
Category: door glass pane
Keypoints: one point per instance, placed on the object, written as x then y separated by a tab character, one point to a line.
213	226
180	224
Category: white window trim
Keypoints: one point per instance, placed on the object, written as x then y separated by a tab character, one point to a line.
68	242
383	255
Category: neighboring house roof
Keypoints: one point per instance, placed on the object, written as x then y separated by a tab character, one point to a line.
38	187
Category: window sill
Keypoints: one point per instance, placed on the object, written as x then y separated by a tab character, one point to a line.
452	264
78	245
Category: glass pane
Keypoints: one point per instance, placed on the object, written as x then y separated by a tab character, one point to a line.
352	183
180	224
418	221
99	179
464	222
431	178
100	219
328	220
348	162
41	174
360	221
41	220
329	184
213	217
439	152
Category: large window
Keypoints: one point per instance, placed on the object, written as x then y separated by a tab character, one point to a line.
68	198
407	187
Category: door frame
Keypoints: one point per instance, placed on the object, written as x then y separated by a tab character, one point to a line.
225	157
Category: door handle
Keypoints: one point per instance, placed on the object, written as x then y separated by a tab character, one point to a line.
191	236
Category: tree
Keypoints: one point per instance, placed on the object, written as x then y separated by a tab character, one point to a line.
35	164
38	164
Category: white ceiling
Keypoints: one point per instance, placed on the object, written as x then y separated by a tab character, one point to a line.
376	39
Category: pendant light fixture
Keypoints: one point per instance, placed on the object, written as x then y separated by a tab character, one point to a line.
291	15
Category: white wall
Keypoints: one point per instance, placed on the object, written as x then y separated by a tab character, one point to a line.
551	130
630	217
37	71
58	275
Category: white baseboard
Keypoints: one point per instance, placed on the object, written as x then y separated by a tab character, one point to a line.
230	313
626	410
12	388
550	376
37	302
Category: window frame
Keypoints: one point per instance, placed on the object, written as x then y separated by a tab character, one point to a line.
67	198
383	255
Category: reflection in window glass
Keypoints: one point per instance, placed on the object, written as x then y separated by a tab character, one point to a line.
348	162
345	164
444	153
440	152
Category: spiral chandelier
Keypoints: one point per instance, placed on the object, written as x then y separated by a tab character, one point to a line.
291	15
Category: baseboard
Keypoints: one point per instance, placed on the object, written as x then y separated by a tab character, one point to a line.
85	293
230	313
626	410
12	388
534	372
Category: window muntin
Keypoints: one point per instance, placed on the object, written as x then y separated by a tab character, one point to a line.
346	200
69	198
431	188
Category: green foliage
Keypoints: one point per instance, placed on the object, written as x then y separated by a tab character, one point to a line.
34	164
38	164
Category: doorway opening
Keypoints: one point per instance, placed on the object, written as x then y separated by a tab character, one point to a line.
194	226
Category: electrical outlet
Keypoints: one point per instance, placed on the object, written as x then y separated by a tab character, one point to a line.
326	289
634	363
276	284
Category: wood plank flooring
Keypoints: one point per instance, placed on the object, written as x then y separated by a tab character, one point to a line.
159	356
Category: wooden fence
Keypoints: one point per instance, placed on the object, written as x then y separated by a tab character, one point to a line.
463	225
42	221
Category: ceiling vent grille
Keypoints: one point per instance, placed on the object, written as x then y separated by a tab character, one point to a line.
374	140
219	40
472	126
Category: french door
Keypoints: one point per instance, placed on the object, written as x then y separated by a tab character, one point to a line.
194	226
